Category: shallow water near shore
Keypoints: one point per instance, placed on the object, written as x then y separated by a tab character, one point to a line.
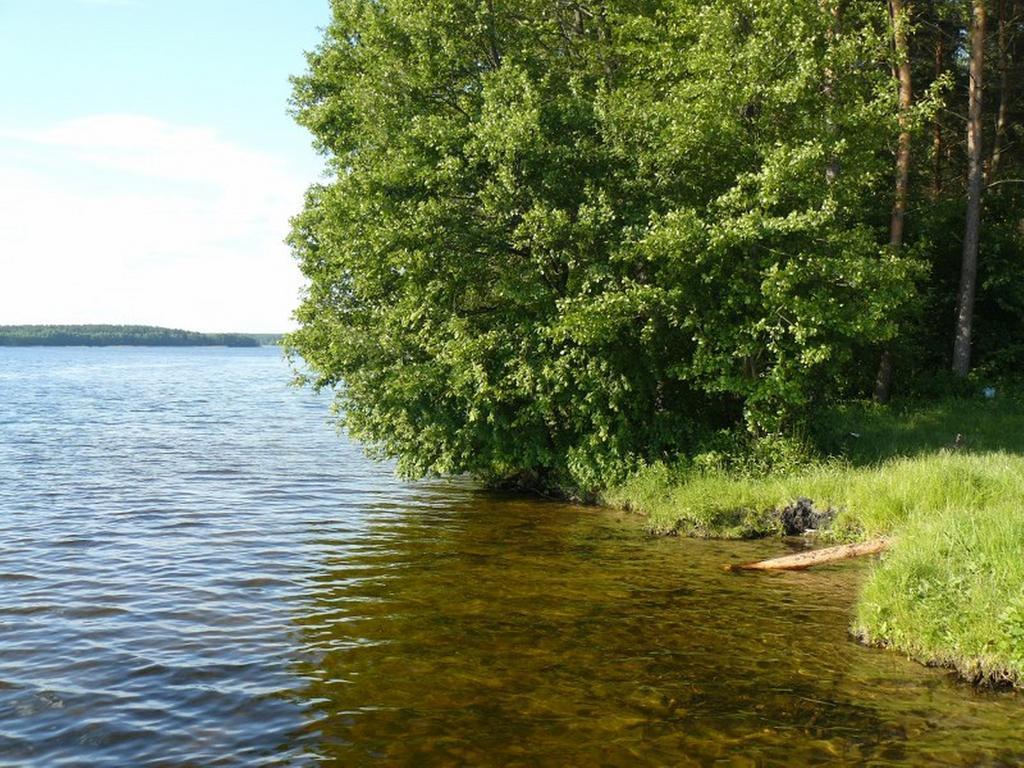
195	569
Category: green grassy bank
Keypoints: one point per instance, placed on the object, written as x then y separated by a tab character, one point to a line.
951	589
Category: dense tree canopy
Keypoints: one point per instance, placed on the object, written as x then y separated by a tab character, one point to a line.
561	238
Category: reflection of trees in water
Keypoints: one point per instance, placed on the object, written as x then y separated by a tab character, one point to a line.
502	630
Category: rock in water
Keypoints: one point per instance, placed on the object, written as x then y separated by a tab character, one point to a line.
802	515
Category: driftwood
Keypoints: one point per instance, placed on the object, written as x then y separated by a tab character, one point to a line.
803	560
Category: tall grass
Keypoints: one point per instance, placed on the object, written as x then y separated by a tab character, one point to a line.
951	592
869	501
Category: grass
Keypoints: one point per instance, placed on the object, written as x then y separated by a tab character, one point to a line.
952	592
951	589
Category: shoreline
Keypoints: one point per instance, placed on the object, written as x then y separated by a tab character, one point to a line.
950	590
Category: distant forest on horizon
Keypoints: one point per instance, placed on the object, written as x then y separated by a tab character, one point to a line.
124	335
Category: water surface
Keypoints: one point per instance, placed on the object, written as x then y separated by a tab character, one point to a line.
195	569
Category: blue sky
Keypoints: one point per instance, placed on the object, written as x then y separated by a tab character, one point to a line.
148	166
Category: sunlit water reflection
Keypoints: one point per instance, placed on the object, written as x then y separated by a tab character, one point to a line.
196	570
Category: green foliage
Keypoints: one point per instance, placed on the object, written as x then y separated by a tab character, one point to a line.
1000	319
741	453
924	345
116	335
560	242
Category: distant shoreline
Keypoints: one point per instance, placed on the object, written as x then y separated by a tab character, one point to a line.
125	336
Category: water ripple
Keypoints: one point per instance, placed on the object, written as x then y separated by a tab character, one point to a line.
195	570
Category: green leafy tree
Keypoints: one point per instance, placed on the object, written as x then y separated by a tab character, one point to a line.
562	239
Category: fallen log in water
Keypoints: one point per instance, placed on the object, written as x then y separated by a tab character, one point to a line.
815	557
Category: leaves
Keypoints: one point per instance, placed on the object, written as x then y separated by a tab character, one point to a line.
563	240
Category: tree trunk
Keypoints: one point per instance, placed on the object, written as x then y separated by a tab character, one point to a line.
936	121
883	379
900	21
969	263
1004	88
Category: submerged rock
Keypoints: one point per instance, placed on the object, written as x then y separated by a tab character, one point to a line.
802	516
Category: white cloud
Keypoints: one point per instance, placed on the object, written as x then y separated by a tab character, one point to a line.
126	218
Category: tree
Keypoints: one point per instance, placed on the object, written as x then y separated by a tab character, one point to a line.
564	239
969	263
1007	16
900	15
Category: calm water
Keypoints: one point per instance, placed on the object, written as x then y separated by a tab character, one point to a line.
196	570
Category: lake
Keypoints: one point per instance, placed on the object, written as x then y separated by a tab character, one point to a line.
197	570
